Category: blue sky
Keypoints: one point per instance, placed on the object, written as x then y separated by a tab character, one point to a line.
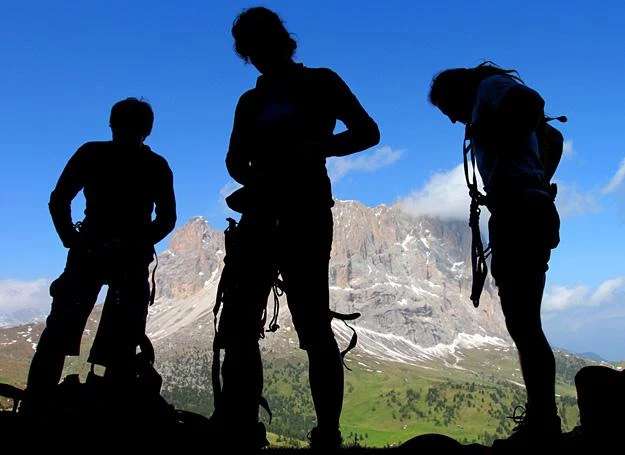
63	68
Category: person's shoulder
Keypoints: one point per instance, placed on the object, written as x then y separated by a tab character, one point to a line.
493	88
499	82
91	148
325	79
247	100
95	145
156	158
153	155
322	72
248	96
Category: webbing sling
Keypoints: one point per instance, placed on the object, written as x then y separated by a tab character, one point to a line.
216	363
354	339
278	290
217	343
224	280
479	267
153	290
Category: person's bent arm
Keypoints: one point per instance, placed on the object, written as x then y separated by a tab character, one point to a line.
238	157
70	183
361	132
164	207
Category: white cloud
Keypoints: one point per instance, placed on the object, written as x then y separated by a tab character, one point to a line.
607	290
22	295
616	180
338	167
572	202
568	151
225	191
24	302
560	298
444	196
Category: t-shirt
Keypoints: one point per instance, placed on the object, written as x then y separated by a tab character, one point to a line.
516	165
275	117
122	188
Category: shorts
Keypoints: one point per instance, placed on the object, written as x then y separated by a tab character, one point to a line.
522	234
294	248
74	295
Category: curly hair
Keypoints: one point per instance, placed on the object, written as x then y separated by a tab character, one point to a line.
260	29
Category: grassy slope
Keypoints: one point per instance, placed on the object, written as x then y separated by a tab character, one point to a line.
385	403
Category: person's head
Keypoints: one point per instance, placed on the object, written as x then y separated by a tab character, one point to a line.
453	90
131	120
261	38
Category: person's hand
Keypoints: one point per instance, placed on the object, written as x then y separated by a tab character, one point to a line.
72	239
239	200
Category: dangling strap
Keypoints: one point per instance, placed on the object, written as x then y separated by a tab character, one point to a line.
479	254
153	291
479	266
467	149
217	342
278	291
352	342
217	346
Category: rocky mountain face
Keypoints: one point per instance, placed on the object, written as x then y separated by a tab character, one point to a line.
410	278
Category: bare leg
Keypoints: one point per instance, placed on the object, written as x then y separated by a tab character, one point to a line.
326	378
521	307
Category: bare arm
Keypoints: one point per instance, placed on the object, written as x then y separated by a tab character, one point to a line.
70	183
164	206
238	157
362	131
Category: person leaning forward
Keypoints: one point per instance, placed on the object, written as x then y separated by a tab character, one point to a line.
502	115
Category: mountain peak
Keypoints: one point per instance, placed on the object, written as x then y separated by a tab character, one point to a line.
408	276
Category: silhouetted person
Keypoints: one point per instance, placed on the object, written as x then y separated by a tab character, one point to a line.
282	134
502	115
123	182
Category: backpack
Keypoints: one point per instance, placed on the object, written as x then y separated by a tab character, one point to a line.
550	149
600	399
98	410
